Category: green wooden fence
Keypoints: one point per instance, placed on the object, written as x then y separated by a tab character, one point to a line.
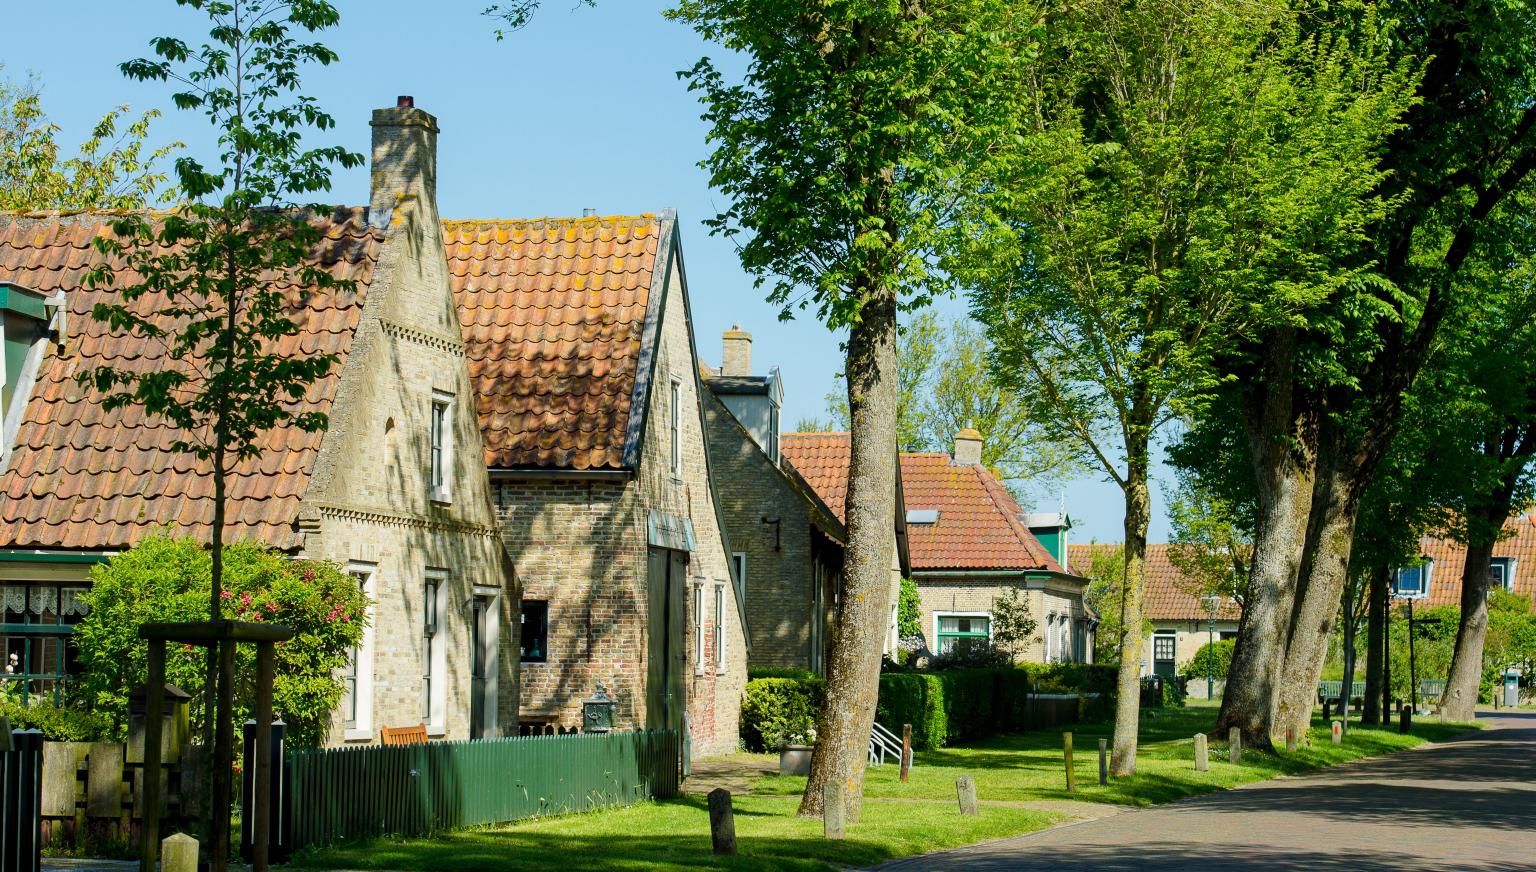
341	794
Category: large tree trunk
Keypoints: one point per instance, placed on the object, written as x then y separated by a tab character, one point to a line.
1326	567
1376	648
1284	439
853	661
1138	513
1348	610
1461	689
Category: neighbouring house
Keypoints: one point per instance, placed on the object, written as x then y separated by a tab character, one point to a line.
1436	581
970	542
395	489
787	542
590	402
1177	608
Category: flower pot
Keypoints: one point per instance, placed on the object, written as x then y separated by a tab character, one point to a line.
795	759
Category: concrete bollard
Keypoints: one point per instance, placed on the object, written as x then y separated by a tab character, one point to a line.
1066	756
965	786
1338	733
1103	762
722	823
833	808
1290	739
1202	760
178	853
1234	746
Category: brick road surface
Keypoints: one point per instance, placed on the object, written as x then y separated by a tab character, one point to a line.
1465	804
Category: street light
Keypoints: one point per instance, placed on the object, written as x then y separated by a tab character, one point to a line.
1212	603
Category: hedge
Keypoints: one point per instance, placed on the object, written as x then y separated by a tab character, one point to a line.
776	710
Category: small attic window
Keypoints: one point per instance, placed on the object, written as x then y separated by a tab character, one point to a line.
922	516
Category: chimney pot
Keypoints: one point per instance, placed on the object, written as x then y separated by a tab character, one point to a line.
736	357
405	102
588	212
968	444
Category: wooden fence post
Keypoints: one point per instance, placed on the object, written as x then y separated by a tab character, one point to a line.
261	824
1066	756
722	822
833	808
906	751
1103	762
1234	746
965	786
154	701
1202	761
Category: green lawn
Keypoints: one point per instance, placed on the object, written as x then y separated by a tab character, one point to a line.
900	820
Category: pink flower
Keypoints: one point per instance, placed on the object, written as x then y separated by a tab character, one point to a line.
271	607
245	599
226	594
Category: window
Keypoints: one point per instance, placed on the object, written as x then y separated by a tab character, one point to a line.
1048	636
773	434
739	563
441	442
719	628
36	621
963	631
675	425
1163	650
698	629
357	700
1413	582
1501	573
533	641
1064	645
434	651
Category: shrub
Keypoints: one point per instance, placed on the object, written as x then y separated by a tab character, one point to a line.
909	610
915	698
781	672
1097	678
166	579
779	711
57	723
971	655
1217	655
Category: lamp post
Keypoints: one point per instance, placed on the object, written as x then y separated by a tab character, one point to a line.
1212	603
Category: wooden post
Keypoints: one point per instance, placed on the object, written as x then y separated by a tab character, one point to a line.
179	852
906	751
261	825
1234	746
722	823
1338	733
1066	756
154	702
1290	739
965	786
223	757
1103	762
833	809
1202	757
1404	719
1327	709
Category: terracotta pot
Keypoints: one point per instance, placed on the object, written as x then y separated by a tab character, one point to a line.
795	759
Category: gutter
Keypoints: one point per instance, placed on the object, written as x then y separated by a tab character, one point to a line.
548	474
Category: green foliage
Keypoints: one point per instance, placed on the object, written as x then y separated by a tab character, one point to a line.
1096	678
1213	659
113	169
909	610
780	711
165	579
780	672
1013	627
915	698
57	723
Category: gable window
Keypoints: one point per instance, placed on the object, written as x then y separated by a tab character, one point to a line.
1412	582
961	632
719	628
434	668
440	438
739	563
1501	573
1164	647
357	699
533	642
675	426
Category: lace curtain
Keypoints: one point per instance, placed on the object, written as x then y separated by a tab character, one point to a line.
40	599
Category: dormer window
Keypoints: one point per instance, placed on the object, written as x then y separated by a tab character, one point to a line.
922	516
1501	573
24	318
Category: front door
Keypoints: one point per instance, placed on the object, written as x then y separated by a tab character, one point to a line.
667	651
479	665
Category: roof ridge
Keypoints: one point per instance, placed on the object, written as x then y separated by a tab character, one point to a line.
1012	517
548	220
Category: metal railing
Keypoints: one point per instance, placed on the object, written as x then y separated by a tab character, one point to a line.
883	742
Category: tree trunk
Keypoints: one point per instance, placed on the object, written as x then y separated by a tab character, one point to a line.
1348	610
1461	688
1138	513
1376	647
1317	603
853	661
1283	434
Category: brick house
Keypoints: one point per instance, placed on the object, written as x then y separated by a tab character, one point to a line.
788	544
591	412
394	490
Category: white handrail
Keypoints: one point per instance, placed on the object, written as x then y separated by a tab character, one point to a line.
881	743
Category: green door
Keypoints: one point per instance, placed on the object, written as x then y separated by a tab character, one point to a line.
667	649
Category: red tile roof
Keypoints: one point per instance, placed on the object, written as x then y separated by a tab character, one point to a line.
81	477
1170	594
980	525
553	311
1450	560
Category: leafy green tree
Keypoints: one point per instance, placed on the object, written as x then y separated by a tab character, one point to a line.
114	168
170	579
844	150
917	352
210	282
1213	659
1184	167
909	610
1013	626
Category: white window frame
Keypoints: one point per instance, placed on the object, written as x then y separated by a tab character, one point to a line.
938	621
440	447
739	562
435	654
1507	569
360	728
675	426
1426	577
719	628
491	651
698	628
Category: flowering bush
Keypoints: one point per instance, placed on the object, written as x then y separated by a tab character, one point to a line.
167	579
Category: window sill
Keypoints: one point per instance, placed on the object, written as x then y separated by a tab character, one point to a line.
436	732
357	736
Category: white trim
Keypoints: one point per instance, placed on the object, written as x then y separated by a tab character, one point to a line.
698	628
436	709
361	727
1426	578
490	694
938	622
739	559
675	426
441	491
719	629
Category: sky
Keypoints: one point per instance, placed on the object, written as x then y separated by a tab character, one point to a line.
582	109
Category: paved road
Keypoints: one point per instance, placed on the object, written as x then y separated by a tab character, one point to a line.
1465	804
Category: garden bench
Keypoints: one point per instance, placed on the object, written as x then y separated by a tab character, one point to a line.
416	735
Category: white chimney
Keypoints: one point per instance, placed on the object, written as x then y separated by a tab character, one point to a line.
967	447
736	358
404	161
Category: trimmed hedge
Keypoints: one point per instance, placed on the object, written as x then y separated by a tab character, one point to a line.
774	710
55	723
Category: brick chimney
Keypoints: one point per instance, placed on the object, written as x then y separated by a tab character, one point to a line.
736	359
404	161
967	447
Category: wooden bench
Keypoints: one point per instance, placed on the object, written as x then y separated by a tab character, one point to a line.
416	735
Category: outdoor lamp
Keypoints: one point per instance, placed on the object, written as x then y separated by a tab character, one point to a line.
597	712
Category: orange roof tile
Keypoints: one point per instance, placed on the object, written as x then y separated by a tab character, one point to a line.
980	524
553	311
1170	594
1450	560
82	477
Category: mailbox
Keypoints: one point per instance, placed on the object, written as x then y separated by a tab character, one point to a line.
597	712
1512	688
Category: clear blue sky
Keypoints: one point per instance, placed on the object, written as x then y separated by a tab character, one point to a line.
582	109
